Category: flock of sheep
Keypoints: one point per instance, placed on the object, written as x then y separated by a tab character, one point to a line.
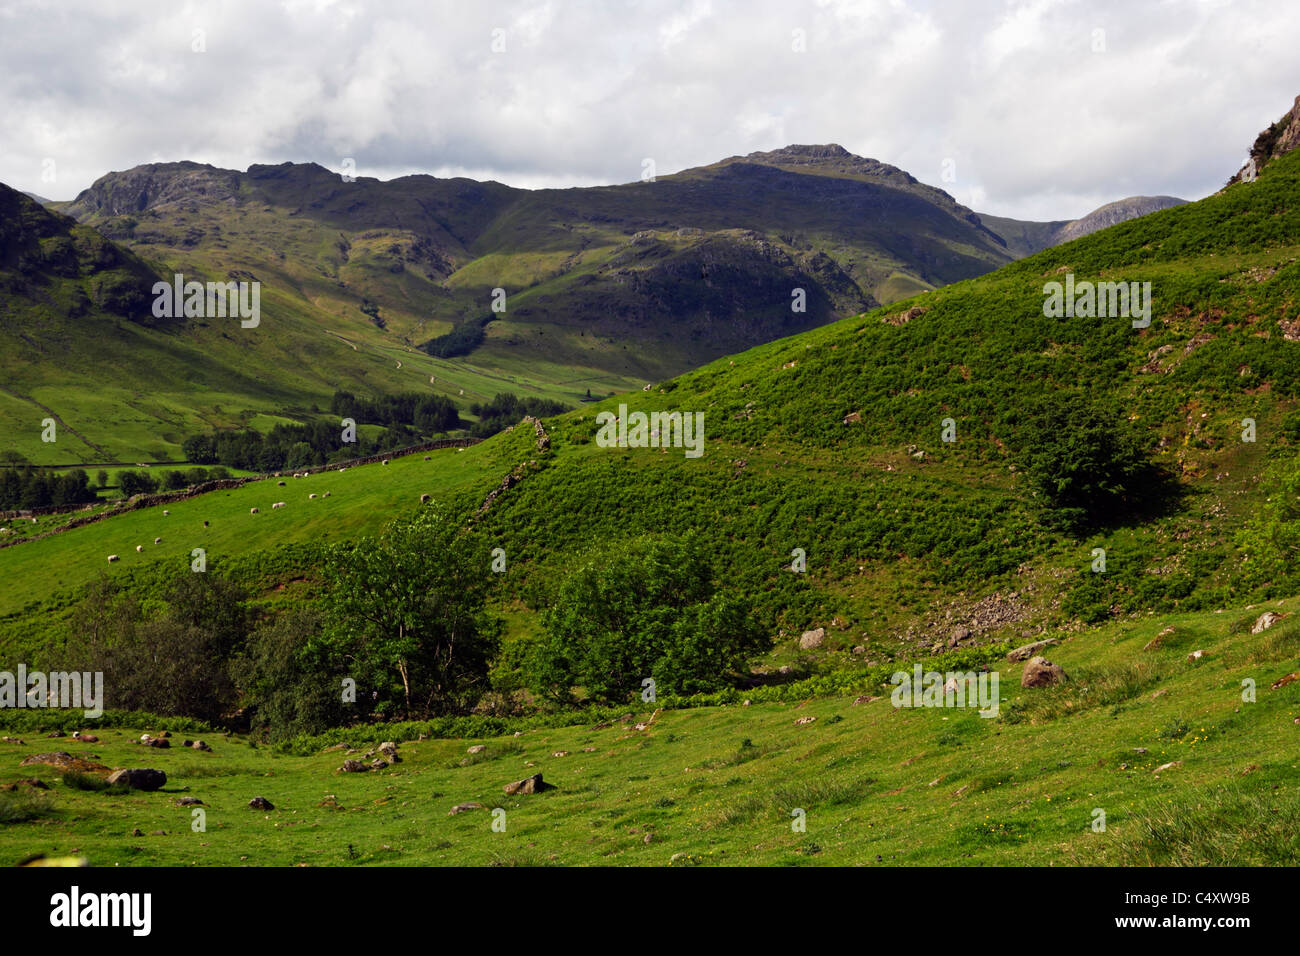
279	504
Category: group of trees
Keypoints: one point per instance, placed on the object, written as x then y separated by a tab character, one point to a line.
507	409
429	414
407	419
30	488
402	627
141	482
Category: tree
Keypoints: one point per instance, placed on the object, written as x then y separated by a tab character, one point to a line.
136	482
645	608
406	609
1084	457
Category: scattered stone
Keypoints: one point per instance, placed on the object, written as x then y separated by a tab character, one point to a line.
379	763
335	747
189	802
1029	650
465	808
531	784
648	839
162	743
14	740
747	702
1265	621
476	749
560	753
1168	766
1283	681
958	635
200	745
1195	656
139	548
31	782
1040	672
137	832
859	649
352	766
812	639
804	720
138	778
865	699
261	803
64	761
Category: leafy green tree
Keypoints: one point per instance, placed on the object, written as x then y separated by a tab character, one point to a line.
406	609
288	681
1084	457
645	608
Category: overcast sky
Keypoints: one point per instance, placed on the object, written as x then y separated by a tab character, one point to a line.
1044	108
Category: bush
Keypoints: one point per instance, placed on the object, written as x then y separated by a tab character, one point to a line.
644	609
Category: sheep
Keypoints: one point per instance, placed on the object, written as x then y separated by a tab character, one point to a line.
385	461
279	484
311	496
252	511
112	558
139	548
205	524
326	495
166	513
157	540
424	499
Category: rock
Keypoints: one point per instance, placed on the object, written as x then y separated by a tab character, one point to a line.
1195	656
560	753
261	803
13	740
865	699
804	720
476	749
958	635
531	784
30	782
200	745
353	766
1040	672
85	738
859	649
138	778
1168	766
139	548
189	802
64	761
648	838
812	639
852	418
747	703
1029	650
1265	621
1283	681
465	808
137	832
335	747
162	743
379	763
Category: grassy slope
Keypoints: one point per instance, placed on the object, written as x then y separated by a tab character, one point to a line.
924	786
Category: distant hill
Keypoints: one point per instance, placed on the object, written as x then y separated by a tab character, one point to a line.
1024	238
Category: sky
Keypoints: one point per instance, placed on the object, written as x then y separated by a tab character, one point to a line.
1036	109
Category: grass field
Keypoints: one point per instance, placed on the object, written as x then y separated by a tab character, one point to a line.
878	786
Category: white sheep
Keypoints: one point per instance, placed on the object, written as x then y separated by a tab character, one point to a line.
112	558
157	540
139	548
311	496
252	511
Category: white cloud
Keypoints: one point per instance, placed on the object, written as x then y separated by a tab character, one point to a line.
1039	123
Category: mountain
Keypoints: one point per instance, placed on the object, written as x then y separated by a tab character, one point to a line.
1024	238
1278	140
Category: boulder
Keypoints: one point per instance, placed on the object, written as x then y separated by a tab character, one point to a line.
531	784
958	635
1265	621
261	803
138	778
353	766
189	802
1029	650
1040	672
812	639
476	749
